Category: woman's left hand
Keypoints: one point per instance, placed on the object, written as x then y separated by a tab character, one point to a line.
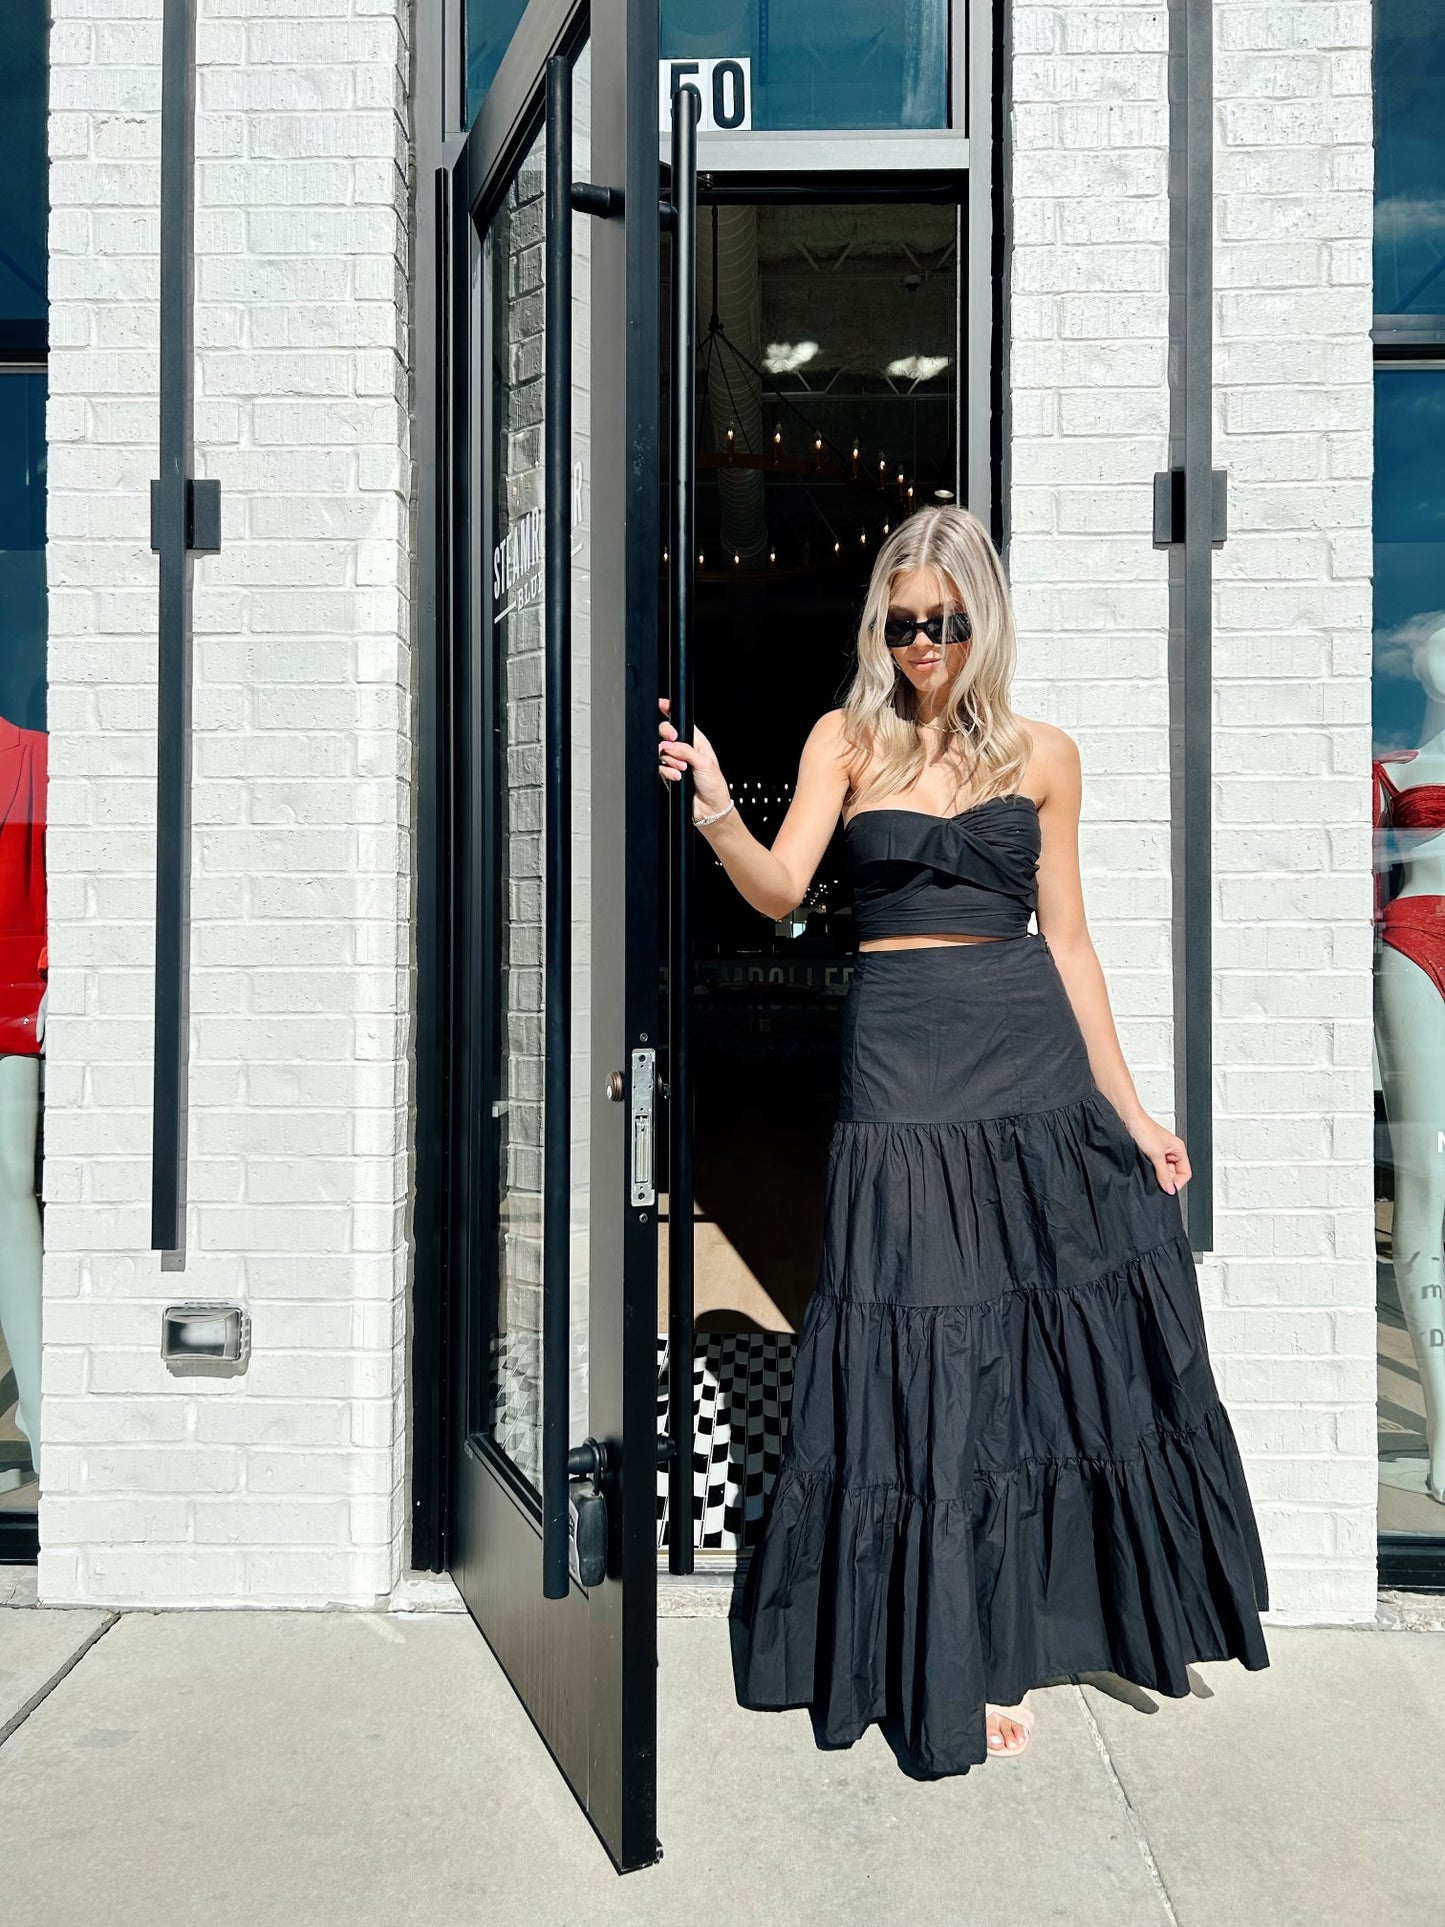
1164	1151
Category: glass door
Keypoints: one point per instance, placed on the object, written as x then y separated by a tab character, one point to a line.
552	876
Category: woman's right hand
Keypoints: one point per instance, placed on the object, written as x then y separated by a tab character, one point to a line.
709	787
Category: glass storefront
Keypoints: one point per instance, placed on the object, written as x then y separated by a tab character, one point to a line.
1409	158
850	64
22	741
513	272
1409	766
828	404
489	27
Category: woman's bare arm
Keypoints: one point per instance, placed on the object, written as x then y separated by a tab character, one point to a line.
1055	768
773	880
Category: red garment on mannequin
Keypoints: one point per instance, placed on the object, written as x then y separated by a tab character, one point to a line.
1415	926
1420	808
22	887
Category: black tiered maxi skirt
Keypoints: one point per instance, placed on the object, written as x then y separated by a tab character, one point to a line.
1007	1459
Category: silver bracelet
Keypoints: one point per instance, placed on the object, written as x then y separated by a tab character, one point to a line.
699	821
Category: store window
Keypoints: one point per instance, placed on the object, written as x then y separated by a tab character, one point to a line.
1409	771
22	744
820	64
489	26
824	63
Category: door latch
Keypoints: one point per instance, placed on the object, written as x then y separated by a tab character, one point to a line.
644	1186
587	1513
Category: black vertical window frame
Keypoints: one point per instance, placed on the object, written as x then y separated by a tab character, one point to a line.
557	830
431	1278
185	516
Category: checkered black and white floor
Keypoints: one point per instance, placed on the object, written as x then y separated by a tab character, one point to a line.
742	1386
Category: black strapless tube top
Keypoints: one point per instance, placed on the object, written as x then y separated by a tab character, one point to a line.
972	875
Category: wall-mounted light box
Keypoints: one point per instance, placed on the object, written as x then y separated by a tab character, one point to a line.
206	1340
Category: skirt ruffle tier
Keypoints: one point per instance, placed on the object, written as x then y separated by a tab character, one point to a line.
1007	1460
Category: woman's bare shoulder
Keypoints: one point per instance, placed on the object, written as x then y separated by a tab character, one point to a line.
1053	758
829	739
830	728
832	747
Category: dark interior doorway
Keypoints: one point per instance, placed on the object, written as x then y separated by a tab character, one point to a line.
829	349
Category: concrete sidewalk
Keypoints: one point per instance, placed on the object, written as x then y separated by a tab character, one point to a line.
340	1770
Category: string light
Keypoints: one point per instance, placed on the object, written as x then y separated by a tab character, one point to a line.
817	451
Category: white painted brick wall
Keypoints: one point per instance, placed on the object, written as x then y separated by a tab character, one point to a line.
1289	1293
285	1485
1292	1289
1088	374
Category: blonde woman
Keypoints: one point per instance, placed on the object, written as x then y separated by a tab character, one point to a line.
1007	1459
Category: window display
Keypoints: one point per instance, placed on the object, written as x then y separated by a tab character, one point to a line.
1408	774
22	740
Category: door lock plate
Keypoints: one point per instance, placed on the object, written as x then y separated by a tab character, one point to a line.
644	1182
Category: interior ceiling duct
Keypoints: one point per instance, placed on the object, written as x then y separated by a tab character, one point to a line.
734	391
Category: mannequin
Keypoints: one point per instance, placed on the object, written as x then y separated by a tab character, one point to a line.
1409	790
22	1025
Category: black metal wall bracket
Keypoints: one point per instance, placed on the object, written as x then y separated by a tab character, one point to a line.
1169	508
202	532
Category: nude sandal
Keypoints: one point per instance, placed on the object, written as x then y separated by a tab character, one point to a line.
1023	1714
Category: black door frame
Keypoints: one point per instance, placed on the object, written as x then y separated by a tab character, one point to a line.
980	191
980	479
584	1666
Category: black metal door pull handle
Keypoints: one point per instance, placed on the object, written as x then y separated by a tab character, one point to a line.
680	1267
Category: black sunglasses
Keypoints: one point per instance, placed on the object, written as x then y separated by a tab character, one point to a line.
899	631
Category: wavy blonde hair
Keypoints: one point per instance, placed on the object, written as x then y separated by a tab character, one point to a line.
880	707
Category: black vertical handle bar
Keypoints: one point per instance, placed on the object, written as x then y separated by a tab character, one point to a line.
557	832
686	102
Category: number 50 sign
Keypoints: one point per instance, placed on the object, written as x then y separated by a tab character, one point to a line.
725	88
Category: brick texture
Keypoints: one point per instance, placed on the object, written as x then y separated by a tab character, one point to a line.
285	1485
1289	1290
288	1485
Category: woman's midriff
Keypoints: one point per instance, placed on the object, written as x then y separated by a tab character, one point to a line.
921	942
